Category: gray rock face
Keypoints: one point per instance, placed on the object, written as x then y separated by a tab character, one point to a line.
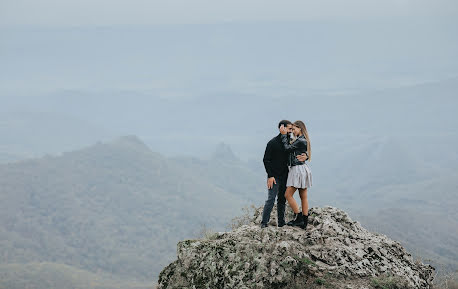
334	252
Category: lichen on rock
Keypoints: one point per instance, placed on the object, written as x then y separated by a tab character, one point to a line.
334	251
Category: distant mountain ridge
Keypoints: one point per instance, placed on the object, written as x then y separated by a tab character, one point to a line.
224	152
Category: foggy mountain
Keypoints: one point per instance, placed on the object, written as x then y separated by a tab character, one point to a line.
116	208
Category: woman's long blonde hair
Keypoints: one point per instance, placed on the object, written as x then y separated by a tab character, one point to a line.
301	125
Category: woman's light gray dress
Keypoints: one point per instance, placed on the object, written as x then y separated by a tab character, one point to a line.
299	176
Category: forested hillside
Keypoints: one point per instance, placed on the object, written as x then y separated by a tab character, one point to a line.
115	208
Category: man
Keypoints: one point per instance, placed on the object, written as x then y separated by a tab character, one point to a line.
276	165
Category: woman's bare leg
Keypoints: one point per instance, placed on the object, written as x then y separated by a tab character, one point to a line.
291	201
304	201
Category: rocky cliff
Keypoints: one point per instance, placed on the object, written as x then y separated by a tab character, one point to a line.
334	252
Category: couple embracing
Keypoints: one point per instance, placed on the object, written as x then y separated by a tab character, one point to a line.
287	171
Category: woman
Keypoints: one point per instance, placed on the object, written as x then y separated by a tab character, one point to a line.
300	175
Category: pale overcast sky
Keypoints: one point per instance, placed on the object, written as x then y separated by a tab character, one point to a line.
335	44
140	12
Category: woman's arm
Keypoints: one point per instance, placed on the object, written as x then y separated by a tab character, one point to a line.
302	157
291	147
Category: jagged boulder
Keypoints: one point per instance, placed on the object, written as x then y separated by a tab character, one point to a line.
334	252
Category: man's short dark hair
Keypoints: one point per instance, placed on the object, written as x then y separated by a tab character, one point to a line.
284	123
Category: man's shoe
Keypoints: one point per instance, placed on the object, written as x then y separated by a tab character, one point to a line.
263	226
281	224
305	220
297	220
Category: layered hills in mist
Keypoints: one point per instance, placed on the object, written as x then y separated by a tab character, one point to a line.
115	210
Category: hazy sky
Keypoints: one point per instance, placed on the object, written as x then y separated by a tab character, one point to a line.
256	46
139	12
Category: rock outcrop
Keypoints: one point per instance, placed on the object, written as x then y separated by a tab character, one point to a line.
333	252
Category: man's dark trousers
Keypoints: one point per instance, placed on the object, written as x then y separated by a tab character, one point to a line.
278	191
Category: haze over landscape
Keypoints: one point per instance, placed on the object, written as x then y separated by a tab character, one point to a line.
126	128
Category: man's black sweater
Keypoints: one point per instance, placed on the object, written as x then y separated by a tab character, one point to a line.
276	158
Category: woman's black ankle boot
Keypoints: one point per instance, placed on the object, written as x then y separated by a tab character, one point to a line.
305	219
299	222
